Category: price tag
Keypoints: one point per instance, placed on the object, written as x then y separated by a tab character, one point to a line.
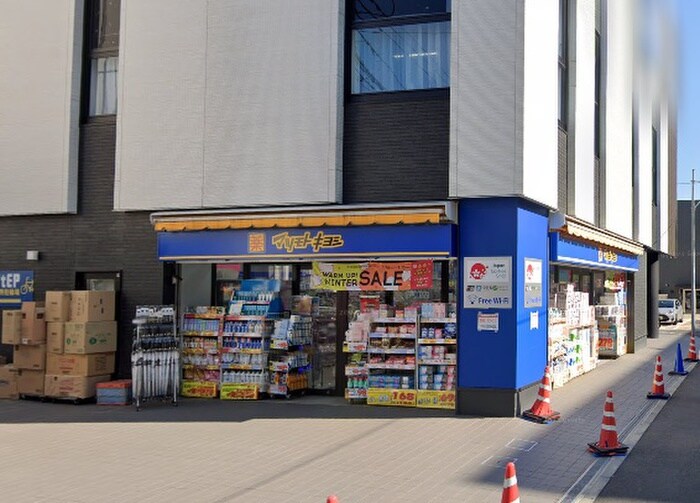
430	399
392	397
236	391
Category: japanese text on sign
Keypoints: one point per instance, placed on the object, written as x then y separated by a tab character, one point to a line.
487	282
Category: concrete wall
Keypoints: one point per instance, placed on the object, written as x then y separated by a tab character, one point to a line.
229	103
40	65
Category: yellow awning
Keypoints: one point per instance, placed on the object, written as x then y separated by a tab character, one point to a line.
340	216
586	231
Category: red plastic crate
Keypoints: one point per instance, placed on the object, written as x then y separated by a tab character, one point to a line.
119	384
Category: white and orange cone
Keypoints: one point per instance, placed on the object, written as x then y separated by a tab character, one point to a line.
657	389
332	499
608	444
541	411
510	486
692	352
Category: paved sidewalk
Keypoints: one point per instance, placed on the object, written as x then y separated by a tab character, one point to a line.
302	451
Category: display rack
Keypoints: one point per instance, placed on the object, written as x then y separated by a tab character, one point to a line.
392	360
437	362
612	330
155	355
245	339
201	356
357	369
290	364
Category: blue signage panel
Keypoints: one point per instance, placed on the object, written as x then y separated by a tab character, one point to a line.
321	242
16	287
590	255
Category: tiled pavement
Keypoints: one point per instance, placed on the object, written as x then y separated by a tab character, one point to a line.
304	450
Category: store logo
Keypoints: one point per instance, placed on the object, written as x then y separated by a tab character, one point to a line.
478	271
318	242
256	242
607	256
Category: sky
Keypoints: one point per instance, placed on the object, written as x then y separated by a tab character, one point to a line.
689	105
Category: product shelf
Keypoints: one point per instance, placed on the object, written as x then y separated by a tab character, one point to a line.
382	335
391	351
242	351
243	317
190	366
248	335
390	366
437	362
354	347
356	370
406	321
241	366
200	334
437	321
437	341
199	351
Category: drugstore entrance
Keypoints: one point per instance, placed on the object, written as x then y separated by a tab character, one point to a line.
287	329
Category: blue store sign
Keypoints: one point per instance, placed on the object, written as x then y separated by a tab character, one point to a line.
16	287
575	252
313	243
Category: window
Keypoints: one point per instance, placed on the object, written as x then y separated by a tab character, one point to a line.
400	46
563	62
103	45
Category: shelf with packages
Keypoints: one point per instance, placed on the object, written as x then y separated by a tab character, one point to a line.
356	369
392	353
245	339
437	355
201	351
290	363
612	330
572	335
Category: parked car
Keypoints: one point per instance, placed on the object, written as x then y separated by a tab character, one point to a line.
670	311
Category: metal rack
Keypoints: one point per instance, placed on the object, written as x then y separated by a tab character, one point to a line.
155	355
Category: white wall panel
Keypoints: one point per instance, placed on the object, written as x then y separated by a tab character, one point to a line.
664	223
229	103
618	115
160	122
273	96
486	78
582	92
540	101
40	68
644	158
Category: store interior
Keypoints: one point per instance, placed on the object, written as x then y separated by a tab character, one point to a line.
257	330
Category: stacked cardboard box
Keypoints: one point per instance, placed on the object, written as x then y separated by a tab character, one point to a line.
82	341
30	349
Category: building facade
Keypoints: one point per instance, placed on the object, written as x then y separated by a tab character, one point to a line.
158	136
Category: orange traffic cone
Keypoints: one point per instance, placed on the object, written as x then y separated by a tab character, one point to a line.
332	499
657	389
692	353
541	411
608	444
510	485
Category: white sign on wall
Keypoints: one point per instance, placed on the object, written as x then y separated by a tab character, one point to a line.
488	283
533	283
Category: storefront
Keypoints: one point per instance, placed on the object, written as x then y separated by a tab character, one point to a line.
589	306
351	301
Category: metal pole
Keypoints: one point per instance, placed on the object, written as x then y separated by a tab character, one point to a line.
692	250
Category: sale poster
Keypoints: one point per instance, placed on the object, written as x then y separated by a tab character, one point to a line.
372	276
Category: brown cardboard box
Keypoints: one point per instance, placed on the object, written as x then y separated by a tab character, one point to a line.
91	305
72	386
30	357
80	365
12	327
33	323
54	337
57	306
90	337
8	382
30	382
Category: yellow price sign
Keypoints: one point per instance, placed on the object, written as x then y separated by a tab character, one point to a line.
236	391
429	399
392	397
198	389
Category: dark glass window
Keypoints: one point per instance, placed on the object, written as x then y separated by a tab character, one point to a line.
103	50
368	10
563	62
400	45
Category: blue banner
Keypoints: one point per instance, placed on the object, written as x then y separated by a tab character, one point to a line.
16	287
313	243
591	255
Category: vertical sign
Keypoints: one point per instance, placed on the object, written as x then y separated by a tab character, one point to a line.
533	282
16	287
488	283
